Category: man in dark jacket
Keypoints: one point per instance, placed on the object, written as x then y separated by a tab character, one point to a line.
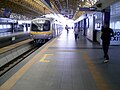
107	33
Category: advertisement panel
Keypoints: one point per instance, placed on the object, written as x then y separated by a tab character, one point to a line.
116	39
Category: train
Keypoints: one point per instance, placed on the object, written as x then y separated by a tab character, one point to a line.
45	29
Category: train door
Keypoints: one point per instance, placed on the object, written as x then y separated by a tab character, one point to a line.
53	30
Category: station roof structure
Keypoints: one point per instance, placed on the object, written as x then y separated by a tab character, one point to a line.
37	8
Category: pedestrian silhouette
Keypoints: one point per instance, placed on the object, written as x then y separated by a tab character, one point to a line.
76	33
67	28
106	35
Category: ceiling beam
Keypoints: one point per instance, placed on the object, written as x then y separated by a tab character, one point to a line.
17	8
55	6
32	8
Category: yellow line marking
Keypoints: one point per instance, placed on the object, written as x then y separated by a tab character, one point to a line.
100	82
11	81
63	50
43	58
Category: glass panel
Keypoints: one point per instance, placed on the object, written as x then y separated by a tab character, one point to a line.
37	26
0	26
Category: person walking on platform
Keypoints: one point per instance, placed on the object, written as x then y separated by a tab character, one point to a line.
67	28
106	35
76	33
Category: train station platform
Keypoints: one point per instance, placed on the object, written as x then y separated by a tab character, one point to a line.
64	64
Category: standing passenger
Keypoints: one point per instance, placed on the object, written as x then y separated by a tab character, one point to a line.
76	33
107	33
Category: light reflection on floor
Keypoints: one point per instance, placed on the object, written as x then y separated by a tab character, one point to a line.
66	39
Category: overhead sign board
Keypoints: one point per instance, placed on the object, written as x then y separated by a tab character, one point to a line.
5	13
87	9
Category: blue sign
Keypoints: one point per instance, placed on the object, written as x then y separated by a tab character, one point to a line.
5	13
87	9
116	39
116	36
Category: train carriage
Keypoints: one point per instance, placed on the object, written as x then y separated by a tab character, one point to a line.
45	28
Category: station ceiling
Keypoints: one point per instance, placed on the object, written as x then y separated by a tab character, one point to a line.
70	8
36	8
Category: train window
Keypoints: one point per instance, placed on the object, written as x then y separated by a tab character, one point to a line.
36	26
46	27
4	26
0	26
7	26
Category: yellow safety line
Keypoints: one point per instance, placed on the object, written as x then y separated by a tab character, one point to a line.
100	82
43	58
56	50
11	81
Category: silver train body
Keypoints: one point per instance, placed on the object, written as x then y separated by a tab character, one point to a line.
45	28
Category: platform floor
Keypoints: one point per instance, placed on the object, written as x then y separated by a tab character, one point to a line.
64	64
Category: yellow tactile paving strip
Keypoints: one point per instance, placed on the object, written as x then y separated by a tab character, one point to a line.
100	82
